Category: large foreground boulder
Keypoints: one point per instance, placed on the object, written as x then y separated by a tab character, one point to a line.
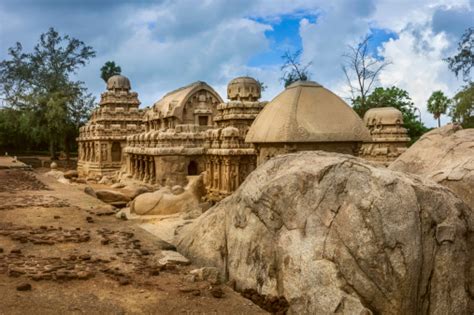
331	233
445	155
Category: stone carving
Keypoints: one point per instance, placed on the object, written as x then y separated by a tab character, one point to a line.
228	158
101	140
389	138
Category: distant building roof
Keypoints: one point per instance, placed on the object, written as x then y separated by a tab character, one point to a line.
172	104
307	112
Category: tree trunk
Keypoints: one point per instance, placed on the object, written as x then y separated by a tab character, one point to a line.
52	149
439	121
66	147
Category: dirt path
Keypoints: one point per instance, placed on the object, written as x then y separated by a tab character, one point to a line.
79	259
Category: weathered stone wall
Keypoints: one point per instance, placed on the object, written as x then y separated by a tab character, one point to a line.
268	150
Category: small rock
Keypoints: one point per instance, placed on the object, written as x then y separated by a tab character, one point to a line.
90	191
85	257
210	274
24	287
71	174
217	292
89	220
83	275
124	280
171	257
117	185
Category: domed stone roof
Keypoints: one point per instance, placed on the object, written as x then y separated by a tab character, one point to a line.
118	82
243	88
307	112
383	116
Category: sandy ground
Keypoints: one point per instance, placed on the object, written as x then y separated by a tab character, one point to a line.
80	259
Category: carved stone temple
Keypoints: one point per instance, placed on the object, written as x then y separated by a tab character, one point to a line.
305	117
102	140
228	158
389	138
172	146
191	130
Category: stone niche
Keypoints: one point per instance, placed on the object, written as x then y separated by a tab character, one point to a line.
389	138
102	140
306	116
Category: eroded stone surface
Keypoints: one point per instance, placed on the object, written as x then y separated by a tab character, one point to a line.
445	155
331	233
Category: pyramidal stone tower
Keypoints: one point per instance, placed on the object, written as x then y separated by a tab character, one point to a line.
102	139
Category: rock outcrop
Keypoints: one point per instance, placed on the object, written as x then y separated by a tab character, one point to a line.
445	155
334	234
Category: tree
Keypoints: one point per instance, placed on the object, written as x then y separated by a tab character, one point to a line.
362	70
263	86
109	69
292	68
393	97
463	61
37	87
438	104
462	107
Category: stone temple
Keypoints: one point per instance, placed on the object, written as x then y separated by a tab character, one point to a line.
102	140
192	131
172	146
306	117
389	138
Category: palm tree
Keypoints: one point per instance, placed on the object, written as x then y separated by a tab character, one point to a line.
438	104
109	69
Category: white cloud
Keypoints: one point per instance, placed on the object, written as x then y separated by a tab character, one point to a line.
165	44
418	66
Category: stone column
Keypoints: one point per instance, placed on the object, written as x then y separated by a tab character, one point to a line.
146	176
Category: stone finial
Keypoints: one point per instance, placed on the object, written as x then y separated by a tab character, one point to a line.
244	89
118	82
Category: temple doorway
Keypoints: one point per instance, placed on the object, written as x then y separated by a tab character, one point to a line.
192	168
116	151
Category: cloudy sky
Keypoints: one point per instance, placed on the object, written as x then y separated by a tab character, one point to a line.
162	45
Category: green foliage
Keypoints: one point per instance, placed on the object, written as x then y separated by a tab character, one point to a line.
462	108
292	68
263	86
39	96
109	69
393	97
463	61
438	104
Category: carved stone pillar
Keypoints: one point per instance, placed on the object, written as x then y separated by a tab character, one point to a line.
146	175
152	170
